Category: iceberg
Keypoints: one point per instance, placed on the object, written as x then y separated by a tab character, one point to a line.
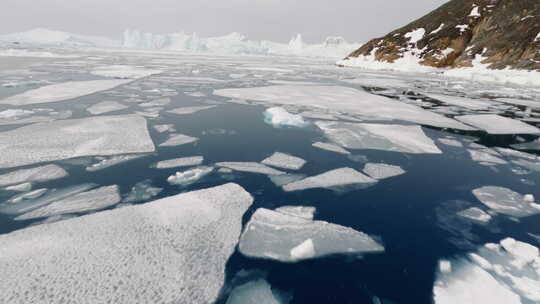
505	201
250	167
495	124
136	254
189	177
284	161
165	128
334	178
287	238
62	91
178	140
45	37
180	162
64	139
105	107
33	175
279	117
382	171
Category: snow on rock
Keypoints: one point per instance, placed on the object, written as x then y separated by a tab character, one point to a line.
180	162
342	99
285	161
505	201
334	178
136	254
495	124
189	177
189	110
63	139
142	191
386	137
251	167
255	292
124	71
178	140
415	35
19	188
92	200
33	175
307	213
105	107
62	91
287	238
279	117
165	128
382	171
331	148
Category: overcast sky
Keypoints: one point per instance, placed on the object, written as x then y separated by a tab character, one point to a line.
278	20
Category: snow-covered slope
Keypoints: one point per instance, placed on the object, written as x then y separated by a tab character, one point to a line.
47	37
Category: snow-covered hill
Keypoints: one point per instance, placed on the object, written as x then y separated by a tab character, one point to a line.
47	37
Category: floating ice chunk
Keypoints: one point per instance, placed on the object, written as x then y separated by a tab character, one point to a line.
142	191
180	162
273	235
379	82
189	110
178	140
156	103
33	175
26	196
307	213
528	198
62	91
283	179
285	161
92	200
396	138
165	128
445	266
486	155
450	142
124	71
495	124
279	117
189	177
105	107
256	292
251	167
468	103
100	135
137	254
334	178
331	148
506	201
104	162
20	187
382	171
475	214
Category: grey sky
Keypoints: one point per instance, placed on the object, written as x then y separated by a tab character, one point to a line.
278	20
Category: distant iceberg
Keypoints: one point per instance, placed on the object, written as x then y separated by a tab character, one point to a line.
40	36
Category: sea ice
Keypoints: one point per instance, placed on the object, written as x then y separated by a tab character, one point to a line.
180	162
475	214
495	124
251	167
331	148
279	117
106	162
136	254
279	236
105	107
486	155
468	103
189	177
307	213
382	171
506	201
63	139
92	200
334	178
124	71
20	187
285	161
142	191
62	91
189	110
396	138
255	292
33	175
165	128
178	140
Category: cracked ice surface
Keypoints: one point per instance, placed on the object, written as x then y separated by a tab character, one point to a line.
183	240
275	235
57	140
62	91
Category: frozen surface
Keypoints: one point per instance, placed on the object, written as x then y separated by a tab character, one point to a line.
105	107
495	124
92	200
32	175
62	91
178	140
137	254
285	161
330	179
506	201
251	167
382	171
102	135
189	177
180	162
279	236
331	148
279	117
255	292
189	110
396	138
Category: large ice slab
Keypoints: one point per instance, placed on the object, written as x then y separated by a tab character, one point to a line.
287	238
250	167
62	91
285	161
334	178
33	175
343	99
63	139
395	138
506	201
178	140
190	110
180	162
382	171
189	177
495	124
92	200
172	250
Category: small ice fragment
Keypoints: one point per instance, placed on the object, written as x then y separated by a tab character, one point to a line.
27	196
105	162
475	214
331	148
180	162
445	266
105	107
382	171
189	110
279	117
333	178
284	161
306	250
142	191
178	140
250	167
189	177
255	292
33	175
165	128
486	155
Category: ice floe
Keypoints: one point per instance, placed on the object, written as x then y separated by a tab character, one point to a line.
62	91
250	167
279	117
487	156
283	179
475	214
468	103
287	238
63	139
495	124
33	175
396	138
124	71
334	178
255	292
128	255
92	200
105	107
284	161
142	191
382	171
180	162
165	128
106	162
505	201
189	177
330	147
178	140
189	110
307	213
